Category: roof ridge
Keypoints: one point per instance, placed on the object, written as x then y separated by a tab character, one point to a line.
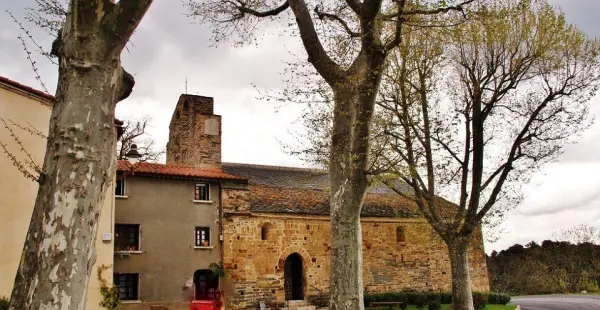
170	165
28	89
278	168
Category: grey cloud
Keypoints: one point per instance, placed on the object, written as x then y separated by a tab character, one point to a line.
562	203
14	63
168	47
583	13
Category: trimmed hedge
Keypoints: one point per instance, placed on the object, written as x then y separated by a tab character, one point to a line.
480	300
433	301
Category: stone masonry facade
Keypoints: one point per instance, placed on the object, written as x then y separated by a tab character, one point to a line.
194	133
256	266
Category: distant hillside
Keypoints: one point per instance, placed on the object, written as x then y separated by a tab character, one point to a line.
552	267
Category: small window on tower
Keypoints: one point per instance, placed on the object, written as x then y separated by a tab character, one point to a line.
201	191
265	231
400	235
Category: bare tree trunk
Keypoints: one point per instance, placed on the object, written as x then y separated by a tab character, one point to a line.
348	186
58	253
77	171
346	282
462	296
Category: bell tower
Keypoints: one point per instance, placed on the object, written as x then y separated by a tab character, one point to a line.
195	133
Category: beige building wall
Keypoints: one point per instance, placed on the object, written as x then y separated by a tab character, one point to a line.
167	257
17	193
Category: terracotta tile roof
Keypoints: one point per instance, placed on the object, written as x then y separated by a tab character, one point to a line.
152	169
316	202
27	89
276	189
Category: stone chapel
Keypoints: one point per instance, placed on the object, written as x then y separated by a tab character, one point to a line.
268	226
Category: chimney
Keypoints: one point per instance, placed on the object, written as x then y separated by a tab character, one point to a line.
194	133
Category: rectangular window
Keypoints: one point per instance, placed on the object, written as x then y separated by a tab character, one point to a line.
201	192
127	237
120	187
202	236
127	284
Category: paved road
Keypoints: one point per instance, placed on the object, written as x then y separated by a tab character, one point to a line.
558	302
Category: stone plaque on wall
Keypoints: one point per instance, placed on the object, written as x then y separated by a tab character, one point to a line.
211	127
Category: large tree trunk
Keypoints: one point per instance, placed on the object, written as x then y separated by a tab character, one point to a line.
462	296
346	282
348	185
58	253
78	168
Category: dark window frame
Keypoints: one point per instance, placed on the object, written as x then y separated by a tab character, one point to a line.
120	190
128	285
198	240
133	238
198	194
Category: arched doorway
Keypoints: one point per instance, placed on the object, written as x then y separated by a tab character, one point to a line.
206	285
293	277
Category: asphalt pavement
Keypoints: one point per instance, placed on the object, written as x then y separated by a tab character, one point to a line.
558	302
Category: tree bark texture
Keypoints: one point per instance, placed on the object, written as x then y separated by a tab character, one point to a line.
348	170
462	296
79	163
346	282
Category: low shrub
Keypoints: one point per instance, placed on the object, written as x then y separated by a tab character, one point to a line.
446	297
431	300
434	305
434	301
4	303
480	300
498	298
419	300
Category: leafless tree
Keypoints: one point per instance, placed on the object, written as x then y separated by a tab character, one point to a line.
22	159
578	234
370	30
59	247
471	112
135	132
517	78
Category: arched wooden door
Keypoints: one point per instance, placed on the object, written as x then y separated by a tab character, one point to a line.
294	277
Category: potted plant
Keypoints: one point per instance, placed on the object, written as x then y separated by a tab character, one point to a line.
218	302
205	243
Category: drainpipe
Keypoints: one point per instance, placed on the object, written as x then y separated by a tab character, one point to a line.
221	235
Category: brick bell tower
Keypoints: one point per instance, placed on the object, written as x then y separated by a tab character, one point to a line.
194	133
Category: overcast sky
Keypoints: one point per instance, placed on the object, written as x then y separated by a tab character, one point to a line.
168	48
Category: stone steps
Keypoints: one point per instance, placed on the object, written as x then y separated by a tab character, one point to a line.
298	305
300	308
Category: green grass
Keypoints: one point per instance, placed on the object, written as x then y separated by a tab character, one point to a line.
447	307
500	307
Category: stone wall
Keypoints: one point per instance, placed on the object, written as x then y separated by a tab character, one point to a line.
256	266
235	197
194	133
